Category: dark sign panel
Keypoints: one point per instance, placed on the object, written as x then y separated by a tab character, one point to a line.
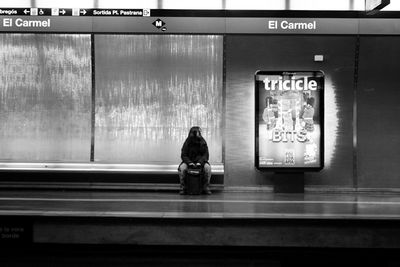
15	232
59	20
373	6
289	120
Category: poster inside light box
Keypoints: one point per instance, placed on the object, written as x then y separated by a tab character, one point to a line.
289	119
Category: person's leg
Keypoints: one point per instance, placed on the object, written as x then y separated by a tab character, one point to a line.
182	173
207	178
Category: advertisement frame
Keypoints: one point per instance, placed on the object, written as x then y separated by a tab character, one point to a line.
321	111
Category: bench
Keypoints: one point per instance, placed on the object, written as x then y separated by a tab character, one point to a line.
97	176
217	168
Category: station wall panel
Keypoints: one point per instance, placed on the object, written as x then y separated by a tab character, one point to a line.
150	89
378	98
45	88
245	54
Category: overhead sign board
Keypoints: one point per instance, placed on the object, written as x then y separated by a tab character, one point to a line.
161	21
292	25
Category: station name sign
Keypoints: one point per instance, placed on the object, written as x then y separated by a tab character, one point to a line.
26	23
291	25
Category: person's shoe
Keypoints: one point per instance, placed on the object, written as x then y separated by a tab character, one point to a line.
207	191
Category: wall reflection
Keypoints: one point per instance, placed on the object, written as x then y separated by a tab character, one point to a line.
45	84
150	89
332	121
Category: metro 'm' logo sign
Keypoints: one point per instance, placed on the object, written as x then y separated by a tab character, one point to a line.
158	23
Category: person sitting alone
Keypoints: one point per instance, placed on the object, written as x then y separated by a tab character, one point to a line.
194	153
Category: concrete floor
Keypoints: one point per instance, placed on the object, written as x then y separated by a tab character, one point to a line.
255	205
82	228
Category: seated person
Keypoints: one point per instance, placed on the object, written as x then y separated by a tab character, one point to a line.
195	154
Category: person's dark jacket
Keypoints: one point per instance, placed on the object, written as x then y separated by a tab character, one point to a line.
195	150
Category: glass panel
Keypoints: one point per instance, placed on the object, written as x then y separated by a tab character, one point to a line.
15	3
63	3
256	4
45	85
357	5
191	4
97	3
393	6
150	89
320	5
127	4
205	4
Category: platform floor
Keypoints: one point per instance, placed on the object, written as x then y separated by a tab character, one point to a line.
254	205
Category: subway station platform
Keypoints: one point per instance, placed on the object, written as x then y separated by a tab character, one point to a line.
241	219
220	205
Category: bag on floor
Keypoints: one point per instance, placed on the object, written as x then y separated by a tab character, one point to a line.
193	181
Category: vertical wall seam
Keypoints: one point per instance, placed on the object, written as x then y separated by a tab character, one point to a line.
93	95
355	117
223	95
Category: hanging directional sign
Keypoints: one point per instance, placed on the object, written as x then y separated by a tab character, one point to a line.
59	11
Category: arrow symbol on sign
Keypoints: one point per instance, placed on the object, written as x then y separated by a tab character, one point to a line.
83	12
62	11
26	11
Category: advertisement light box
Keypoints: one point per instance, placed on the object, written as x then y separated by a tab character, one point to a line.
289	120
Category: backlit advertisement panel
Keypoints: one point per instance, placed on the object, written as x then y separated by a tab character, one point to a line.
289	120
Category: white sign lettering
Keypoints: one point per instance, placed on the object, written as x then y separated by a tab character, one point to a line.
292	84
26	23
289	25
